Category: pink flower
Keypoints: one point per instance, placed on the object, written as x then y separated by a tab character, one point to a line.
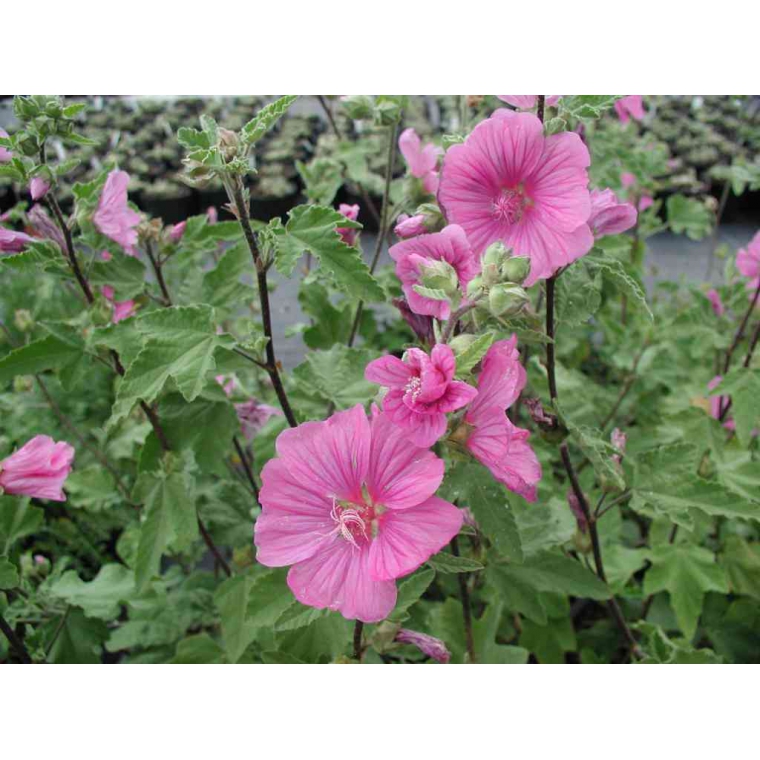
43	226
121	309
631	106
177	231
38	188
748	263
410	226
421	324
12	241
253	415
422	390
717	304
645	202
627	179
347	234
487	432
422	161
428	645
508	182
212	215
718	403
228	386
414	256
38	469
5	154
113	217
526	102
349	504
608	215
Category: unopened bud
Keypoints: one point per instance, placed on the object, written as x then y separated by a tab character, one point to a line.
358	106
428	645
439	275
228	142
23	320
516	269
495	254
507	300
475	287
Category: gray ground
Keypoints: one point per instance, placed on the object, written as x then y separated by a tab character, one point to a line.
670	257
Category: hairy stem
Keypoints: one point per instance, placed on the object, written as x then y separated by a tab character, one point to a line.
266	315
15	642
246	466
464	595
158	271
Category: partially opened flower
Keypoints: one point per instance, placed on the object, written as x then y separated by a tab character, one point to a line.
715	301
348	235
421	324
177	231
38	188
38	469
12	241
526	102
410	226
488	434
421	391
5	154
608	215
44	227
428	645
508	182
253	415
433	258
349	503
630	107
113	217
748	263
421	160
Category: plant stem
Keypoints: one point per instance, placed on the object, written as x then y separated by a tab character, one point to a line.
627	385
718	216
15	641
454	319
158	271
540	108
358	630
383	230
213	548
57	632
464	595
266	316
550	334
246	466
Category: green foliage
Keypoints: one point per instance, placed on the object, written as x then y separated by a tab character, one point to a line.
689	216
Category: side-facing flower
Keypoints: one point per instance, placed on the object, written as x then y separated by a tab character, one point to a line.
630	107
421	324
608	215
349	503
508	182
177	231
347	234
12	241
428	645
44	227
113	217
526	102
253	415
488	434
414	257
421	391
38	188
715	301
748	263
421	160
410	226
38	469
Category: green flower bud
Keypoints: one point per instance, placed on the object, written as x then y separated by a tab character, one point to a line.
23	320
439	275
433	216
516	269
475	287
491	274
358	106
495	254
507	300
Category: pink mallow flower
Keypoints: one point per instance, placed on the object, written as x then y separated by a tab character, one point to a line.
526	102
410	226
718	403
488	434
347	234
349	503
748	263
5	154
645	202
630	107
177	231
608	215
253	415
428	645
38	188
421	160
508	182
12	241
212	215
113	217
422	390
121	309
417	255
38	469
44	227
715	301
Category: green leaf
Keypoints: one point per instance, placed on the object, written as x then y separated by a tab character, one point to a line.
8	574
475	351
102	596
434	294
170	517
742	563
223	287
266	118
322	177
330	324
269	598
410	591
79	641
578	294
687	572
587	106
200	649
125	274
743	386
445	562
313	229
549	642
689	216
599	453
18	519
614	270
39	356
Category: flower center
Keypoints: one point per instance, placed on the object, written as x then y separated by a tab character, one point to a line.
355	523
509	206
414	388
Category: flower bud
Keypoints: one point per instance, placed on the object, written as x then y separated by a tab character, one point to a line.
495	254
228	142
358	106
38	188
428	645
475	287
516	269
23	320
506	300
410	226
439	275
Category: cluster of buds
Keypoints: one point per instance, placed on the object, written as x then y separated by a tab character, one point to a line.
501	280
